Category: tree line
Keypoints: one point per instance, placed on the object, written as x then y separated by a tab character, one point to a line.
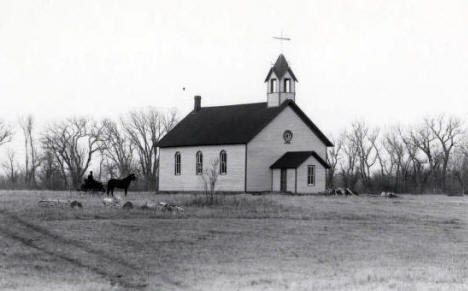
59	155
430	156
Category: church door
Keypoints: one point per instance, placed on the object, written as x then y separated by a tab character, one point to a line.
283	180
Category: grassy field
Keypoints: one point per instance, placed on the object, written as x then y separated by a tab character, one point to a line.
271	242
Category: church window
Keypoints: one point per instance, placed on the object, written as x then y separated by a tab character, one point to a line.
311	175
287	136
223	162
199	163
177	164
273	86
287	85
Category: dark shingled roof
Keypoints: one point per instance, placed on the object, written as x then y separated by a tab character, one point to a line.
292	160
280	68
232	124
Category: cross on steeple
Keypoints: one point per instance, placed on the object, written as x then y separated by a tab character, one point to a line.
282	38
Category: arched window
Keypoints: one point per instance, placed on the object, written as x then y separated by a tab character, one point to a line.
287	85
223	162
177	164
273	86
199	163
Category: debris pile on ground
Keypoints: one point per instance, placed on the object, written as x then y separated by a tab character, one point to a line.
60	203
75	203
341	191
127	205
111	202
350	192
388	195
149	205
170	207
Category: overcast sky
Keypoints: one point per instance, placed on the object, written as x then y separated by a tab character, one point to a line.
382	61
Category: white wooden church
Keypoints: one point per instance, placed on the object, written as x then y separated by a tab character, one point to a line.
270	146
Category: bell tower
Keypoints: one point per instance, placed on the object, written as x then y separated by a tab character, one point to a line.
281	83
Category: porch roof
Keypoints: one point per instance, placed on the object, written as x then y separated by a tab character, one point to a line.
292	160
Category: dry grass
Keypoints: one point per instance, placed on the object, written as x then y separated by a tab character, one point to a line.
244	242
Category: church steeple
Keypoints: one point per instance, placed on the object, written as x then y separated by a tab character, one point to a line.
281	83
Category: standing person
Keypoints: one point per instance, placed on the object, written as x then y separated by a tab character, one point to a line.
90	177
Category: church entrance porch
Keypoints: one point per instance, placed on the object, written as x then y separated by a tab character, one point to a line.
298	172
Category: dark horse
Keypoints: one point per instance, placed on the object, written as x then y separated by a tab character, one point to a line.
120	183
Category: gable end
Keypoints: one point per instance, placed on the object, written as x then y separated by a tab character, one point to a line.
311	125
303	117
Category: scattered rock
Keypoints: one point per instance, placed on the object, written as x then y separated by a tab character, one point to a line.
48	203
127	205
111	201
341	191
171	207
388	195
57	203
75	203
149	205
350	192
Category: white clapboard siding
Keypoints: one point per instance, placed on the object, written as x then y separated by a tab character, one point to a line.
234	180
276	185
290	180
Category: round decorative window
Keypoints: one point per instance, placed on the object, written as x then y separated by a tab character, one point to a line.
287	136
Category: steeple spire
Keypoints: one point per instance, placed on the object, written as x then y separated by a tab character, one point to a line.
280	83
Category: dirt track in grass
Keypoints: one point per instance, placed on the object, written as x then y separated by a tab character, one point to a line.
114	269
246	243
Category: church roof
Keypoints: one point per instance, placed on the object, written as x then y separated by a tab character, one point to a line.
232	124
292	160
280	68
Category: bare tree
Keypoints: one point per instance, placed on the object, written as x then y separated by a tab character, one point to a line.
11	167
398	157
119	151
415	163
459	166
31	162
210	177
145	128
349	164
363	139
383	157
6	133
170	120
333	158
73	143
423	139
49	173
447	131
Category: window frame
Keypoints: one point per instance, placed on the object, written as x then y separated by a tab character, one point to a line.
177	164
223	163
310	176
273	85
287	85
199	163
